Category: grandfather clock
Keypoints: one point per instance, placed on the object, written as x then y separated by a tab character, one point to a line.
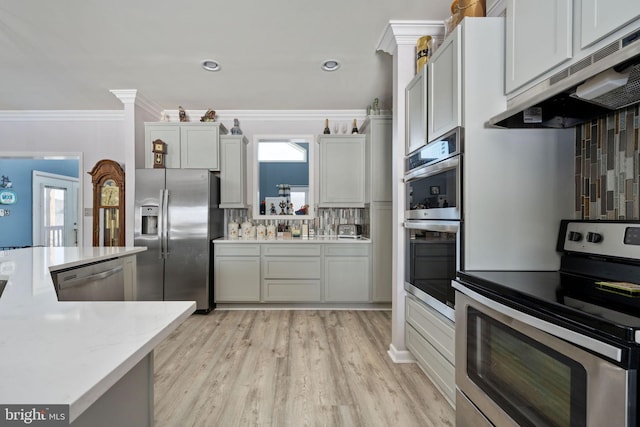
107	177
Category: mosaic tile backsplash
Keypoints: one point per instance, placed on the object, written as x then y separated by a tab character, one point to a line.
607	166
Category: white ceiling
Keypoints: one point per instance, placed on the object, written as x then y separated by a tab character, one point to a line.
68	54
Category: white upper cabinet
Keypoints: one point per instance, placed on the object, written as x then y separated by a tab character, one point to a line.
416	99
444	106
167	134
189	145
233	171
538	38
600	18
342	171
199	146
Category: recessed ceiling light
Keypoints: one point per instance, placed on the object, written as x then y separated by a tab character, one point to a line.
210	65
330	65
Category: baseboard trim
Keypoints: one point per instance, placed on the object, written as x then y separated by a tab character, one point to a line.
400	356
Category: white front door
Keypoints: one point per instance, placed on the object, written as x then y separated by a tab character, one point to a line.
55	210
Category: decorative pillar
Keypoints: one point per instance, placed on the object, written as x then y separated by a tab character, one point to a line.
399	40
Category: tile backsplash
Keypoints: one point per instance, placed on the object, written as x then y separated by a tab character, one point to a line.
607	170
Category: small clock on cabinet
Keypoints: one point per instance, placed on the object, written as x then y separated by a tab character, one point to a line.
159	152
108	204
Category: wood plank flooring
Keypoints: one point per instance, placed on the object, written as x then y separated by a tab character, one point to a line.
290	368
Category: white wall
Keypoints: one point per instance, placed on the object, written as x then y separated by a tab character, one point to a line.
96	135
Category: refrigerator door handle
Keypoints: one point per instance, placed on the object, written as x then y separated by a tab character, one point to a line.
165	225
161	226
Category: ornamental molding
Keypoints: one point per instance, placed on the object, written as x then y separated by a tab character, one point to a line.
407	33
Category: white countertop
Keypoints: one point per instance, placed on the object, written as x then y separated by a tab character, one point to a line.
296	240
71	352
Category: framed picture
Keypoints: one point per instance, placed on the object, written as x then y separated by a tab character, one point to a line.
435	190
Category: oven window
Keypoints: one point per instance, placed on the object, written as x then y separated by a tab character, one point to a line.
435	191
534	384
432	263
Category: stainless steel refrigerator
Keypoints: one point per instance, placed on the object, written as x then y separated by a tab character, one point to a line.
176	217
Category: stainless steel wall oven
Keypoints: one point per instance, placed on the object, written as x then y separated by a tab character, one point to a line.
433	221
554	348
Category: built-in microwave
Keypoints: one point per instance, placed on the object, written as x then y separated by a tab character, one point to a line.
433	179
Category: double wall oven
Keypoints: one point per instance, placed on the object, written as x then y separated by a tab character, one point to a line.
433	221
554	348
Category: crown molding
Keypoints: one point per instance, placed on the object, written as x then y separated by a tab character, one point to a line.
172	115
126	96
60	115
132	96
407	33
271	115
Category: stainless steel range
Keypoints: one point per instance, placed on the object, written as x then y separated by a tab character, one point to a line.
554	348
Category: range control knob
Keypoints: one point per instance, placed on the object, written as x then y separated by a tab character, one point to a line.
594	237
574	236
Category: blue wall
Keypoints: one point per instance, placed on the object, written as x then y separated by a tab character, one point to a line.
273	173
16	229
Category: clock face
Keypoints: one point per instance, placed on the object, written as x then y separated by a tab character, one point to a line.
158	148
110	194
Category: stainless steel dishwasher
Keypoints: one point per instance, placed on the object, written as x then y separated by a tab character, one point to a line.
98	281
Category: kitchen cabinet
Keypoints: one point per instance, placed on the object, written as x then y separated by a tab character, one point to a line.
379	134
346	273
431	339
291	272
295	271
600	18
233	172
380	233
237	273
416	104
378	130
444	101
189	145
129	264
538	38
169	134
342	171
199	146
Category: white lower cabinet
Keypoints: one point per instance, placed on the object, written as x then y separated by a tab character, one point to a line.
236	273
291	273
430	337
346	273
129	266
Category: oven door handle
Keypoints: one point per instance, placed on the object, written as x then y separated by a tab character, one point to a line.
434	169
593	344
430	225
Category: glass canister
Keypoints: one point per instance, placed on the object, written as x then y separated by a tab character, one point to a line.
271	231
232	230
261	232
246	229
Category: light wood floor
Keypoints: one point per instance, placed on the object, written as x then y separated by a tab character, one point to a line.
290	368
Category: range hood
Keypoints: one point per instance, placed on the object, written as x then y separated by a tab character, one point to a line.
604	81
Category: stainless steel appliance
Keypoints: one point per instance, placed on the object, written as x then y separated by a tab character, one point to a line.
433	180
554	348
176	217
98	281
433	221
349	231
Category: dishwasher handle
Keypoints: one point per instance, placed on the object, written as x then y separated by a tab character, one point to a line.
78	281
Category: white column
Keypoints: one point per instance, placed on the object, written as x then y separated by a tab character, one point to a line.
129	98
399	40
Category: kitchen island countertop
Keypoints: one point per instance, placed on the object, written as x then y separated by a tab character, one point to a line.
71	353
